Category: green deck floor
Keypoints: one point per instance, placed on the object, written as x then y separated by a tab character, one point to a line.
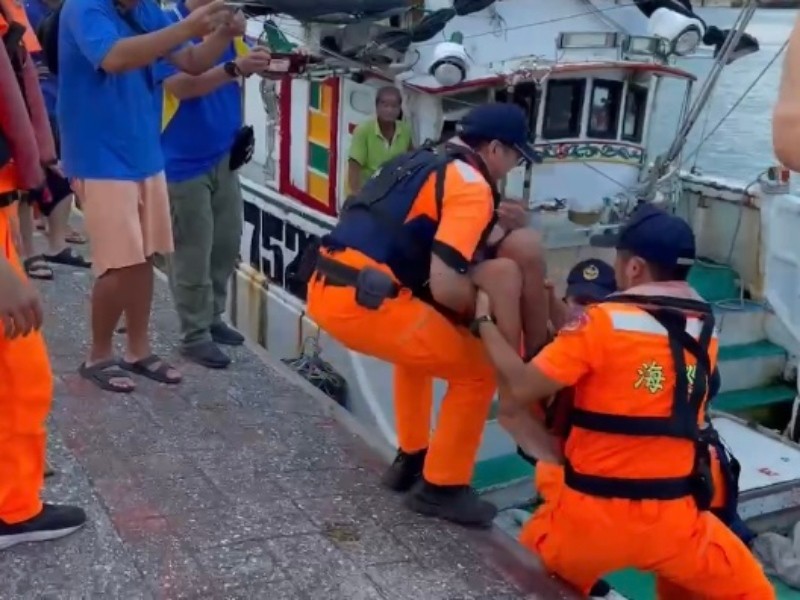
636	585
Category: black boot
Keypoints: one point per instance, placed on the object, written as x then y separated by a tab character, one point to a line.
405	471
457	503
600	589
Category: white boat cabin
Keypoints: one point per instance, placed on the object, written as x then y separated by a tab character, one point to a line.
588	88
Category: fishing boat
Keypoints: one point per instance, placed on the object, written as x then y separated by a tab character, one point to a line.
589	75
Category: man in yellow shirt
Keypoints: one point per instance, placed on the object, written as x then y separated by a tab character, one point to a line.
378	140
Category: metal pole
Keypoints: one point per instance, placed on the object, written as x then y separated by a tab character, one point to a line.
708	86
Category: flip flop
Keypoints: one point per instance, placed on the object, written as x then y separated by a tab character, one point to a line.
36	268
73	237
69	258
103	372
143	367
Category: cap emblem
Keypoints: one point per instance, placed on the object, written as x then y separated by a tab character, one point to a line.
590	273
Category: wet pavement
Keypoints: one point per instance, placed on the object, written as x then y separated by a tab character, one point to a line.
234	484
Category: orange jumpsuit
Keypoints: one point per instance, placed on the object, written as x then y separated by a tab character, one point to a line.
26	390
618	359
419	341
26	382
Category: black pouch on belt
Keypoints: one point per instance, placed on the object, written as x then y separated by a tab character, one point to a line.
307	263
373	287
702	481
242	149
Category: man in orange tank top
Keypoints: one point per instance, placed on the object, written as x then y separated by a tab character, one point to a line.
637	469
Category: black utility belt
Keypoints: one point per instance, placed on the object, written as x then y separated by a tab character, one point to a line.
373	287
698	484
9	198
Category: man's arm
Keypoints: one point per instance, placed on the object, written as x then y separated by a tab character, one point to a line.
526	383
196	59
97	35
184	86
786	117
354	176
574	353
357	158
129	54
20	307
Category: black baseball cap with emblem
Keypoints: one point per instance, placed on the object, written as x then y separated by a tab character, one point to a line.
654	235
591	279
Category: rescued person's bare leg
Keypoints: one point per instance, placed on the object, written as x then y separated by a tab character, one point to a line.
524	247
35	265
501	279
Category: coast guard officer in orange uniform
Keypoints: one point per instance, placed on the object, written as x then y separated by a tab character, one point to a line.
26	383
637	466
396	279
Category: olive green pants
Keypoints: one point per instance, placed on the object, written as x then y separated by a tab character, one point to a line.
207	227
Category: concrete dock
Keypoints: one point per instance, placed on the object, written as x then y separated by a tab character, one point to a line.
242	483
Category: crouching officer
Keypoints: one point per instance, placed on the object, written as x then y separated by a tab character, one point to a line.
637	468
395	279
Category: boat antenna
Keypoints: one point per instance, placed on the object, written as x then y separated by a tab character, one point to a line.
662	162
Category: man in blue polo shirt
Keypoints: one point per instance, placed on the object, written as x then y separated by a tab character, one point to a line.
110	117
203	141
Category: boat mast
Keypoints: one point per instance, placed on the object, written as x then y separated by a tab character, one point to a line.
662	162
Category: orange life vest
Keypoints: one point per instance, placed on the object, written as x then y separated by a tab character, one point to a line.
638	428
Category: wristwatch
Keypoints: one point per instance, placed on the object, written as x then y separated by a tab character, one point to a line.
232	69
475	326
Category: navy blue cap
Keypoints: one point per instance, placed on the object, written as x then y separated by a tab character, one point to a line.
593	279
501	121
654	235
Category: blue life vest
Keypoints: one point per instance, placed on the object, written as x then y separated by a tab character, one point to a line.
375	220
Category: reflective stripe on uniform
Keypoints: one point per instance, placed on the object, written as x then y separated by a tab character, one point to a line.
468	173
641	322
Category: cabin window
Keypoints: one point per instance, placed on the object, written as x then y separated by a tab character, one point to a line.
564	107
635	107
460	104
449	128
526	96
604	109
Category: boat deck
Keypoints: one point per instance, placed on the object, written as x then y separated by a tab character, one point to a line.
236	484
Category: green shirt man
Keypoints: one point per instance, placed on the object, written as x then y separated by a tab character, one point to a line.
378	140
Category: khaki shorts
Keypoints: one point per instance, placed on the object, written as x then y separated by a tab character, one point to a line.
127	222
